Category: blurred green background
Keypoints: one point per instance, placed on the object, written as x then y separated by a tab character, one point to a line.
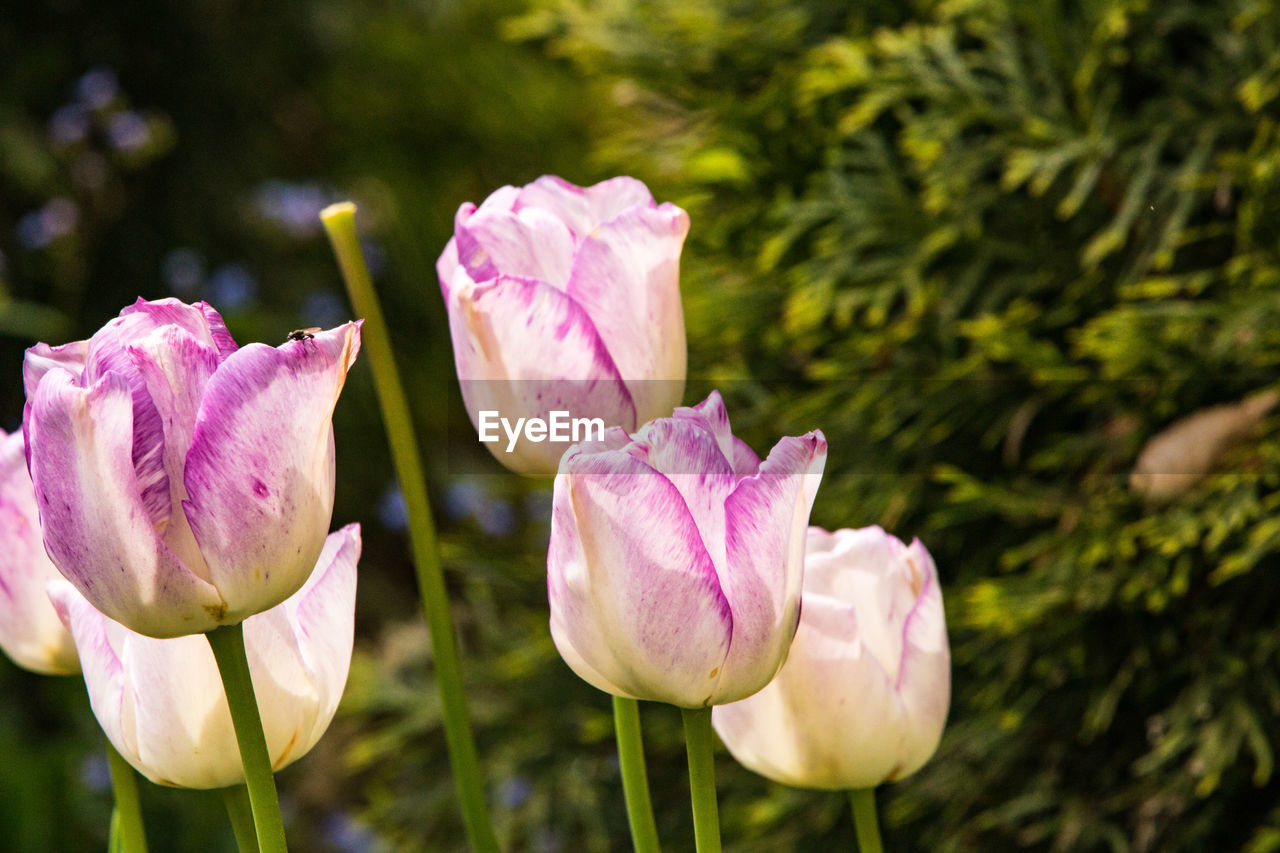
993	249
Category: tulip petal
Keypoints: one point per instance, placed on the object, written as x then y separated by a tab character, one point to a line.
924	675
777	734
175	367
300	651
765	522
104	675
521	346
530	243
640	602
30	630
41	358
447	266
689	457
96	528
260	472
627	278
585	209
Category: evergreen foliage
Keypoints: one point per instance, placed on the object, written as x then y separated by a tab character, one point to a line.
992	248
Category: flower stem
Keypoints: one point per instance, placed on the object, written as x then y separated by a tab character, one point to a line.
635	781
864	819
114	843
227	643
127	832
241	813
699	743
339	222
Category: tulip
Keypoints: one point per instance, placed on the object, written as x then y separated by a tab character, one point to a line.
161	702
674	568
184	483
564	298
30	631
863	696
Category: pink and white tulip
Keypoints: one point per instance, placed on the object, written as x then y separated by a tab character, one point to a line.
30	631
674	569
184	482
566	298
863	696
161	702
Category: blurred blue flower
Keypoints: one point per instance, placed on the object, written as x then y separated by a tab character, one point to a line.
95	773
462	498
183	270
69	124
467	499
374	256
294	207
98	87
496	518
231	287
39	228
514	791
392	511
351	836
129	131
325	309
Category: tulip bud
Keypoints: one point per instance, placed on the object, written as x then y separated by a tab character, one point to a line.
184	483
30	631
161	702
675	561
863	696
564	298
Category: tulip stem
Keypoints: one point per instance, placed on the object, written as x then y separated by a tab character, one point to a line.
635	780
227	643
127	832
700	744
241	813
340	224
114	843
864	819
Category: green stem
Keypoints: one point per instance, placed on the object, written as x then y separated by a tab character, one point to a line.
635	781
241	813
127	832
339	222
227	643
700	744
864	820
114	842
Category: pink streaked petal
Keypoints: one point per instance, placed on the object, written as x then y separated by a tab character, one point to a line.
765	521
30	630
447	266
712	416
627	278
259	474
564	200
524	349
175	367
222	340
96	528
640	604
744	459
42	358
503	198
611	197
693	462
531	243
924	678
